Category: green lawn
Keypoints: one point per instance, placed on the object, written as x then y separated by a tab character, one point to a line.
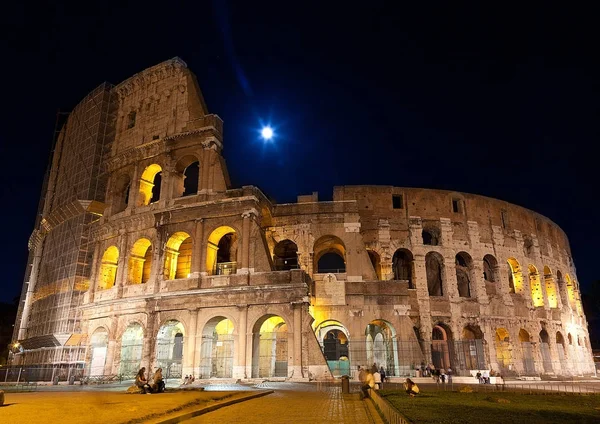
455	407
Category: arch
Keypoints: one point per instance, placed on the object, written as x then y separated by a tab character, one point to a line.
217	350
551	290
120	194
441	355
490	269
470	350
329	255
99	347
562	350
132	343
403	266
169	348
221	253
178	256
270	347
381	346
527	352
545	351
570	338
434	267
140	262
108	268
430	237
503	350
186	178
375	262
515	276
285	255
537	296
334	339
150	185
464	267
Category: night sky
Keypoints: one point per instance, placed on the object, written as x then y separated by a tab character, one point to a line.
492	101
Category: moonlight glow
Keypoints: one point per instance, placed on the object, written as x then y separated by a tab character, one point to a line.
267	133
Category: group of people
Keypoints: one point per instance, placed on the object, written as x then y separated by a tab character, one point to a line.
371	378
484	378
189	379
439	375
157	385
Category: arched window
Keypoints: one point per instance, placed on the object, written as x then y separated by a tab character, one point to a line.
490	268
285	255
515	277
376	262
571	292
221	255
434	269
463	265
108	268
140	262
402	264
178	256
329	255
150	185
186	177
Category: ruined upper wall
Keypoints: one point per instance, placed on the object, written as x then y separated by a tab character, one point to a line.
376	202
158	102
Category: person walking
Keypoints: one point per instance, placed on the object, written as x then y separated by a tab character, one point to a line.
383	376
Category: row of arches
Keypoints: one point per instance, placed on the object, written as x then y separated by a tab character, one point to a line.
215	348
221	257
147	189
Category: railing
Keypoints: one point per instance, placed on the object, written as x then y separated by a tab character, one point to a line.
389	413
226	268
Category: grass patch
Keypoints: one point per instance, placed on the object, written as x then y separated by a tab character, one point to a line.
491	408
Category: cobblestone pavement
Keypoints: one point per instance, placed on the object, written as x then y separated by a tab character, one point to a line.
295	403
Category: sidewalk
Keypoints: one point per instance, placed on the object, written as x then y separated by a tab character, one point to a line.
296	403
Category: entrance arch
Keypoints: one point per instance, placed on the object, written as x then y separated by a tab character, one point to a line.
527	352
441	336
381	346
560	347
334	340
221	253
503	350
270	347
471	354
132	344
169	348
99	346
545	351
216	352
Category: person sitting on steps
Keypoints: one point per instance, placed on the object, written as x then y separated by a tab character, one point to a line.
142	383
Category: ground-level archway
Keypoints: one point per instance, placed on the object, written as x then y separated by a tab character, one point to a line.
98	346
169	348
381	347
335	344
441	338
270	347
503	351
545	351
526	352
216	352
132	344
470	351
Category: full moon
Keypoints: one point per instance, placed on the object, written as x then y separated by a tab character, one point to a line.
267	133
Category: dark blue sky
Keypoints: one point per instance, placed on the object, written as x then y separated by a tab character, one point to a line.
489	100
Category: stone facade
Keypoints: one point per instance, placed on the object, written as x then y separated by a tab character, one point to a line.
189	274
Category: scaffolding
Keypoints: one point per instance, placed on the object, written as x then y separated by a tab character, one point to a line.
61	251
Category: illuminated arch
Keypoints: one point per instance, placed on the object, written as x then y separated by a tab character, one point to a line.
537	295
329	255
108	268
441	335
186	178
515	276
140	262
217	350
169	348
98	347
334	339
571	292
382	349
132	343
527	352
270	347
178	256
503	349
149	187
221	251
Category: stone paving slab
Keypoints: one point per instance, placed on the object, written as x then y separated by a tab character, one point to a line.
296	406
102	407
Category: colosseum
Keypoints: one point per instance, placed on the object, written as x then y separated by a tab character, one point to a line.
145	255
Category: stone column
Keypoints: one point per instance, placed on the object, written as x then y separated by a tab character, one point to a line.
149	349
189	365
93	277
420	284
196	265
204	162
123	264
245	253
239	369
297	359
